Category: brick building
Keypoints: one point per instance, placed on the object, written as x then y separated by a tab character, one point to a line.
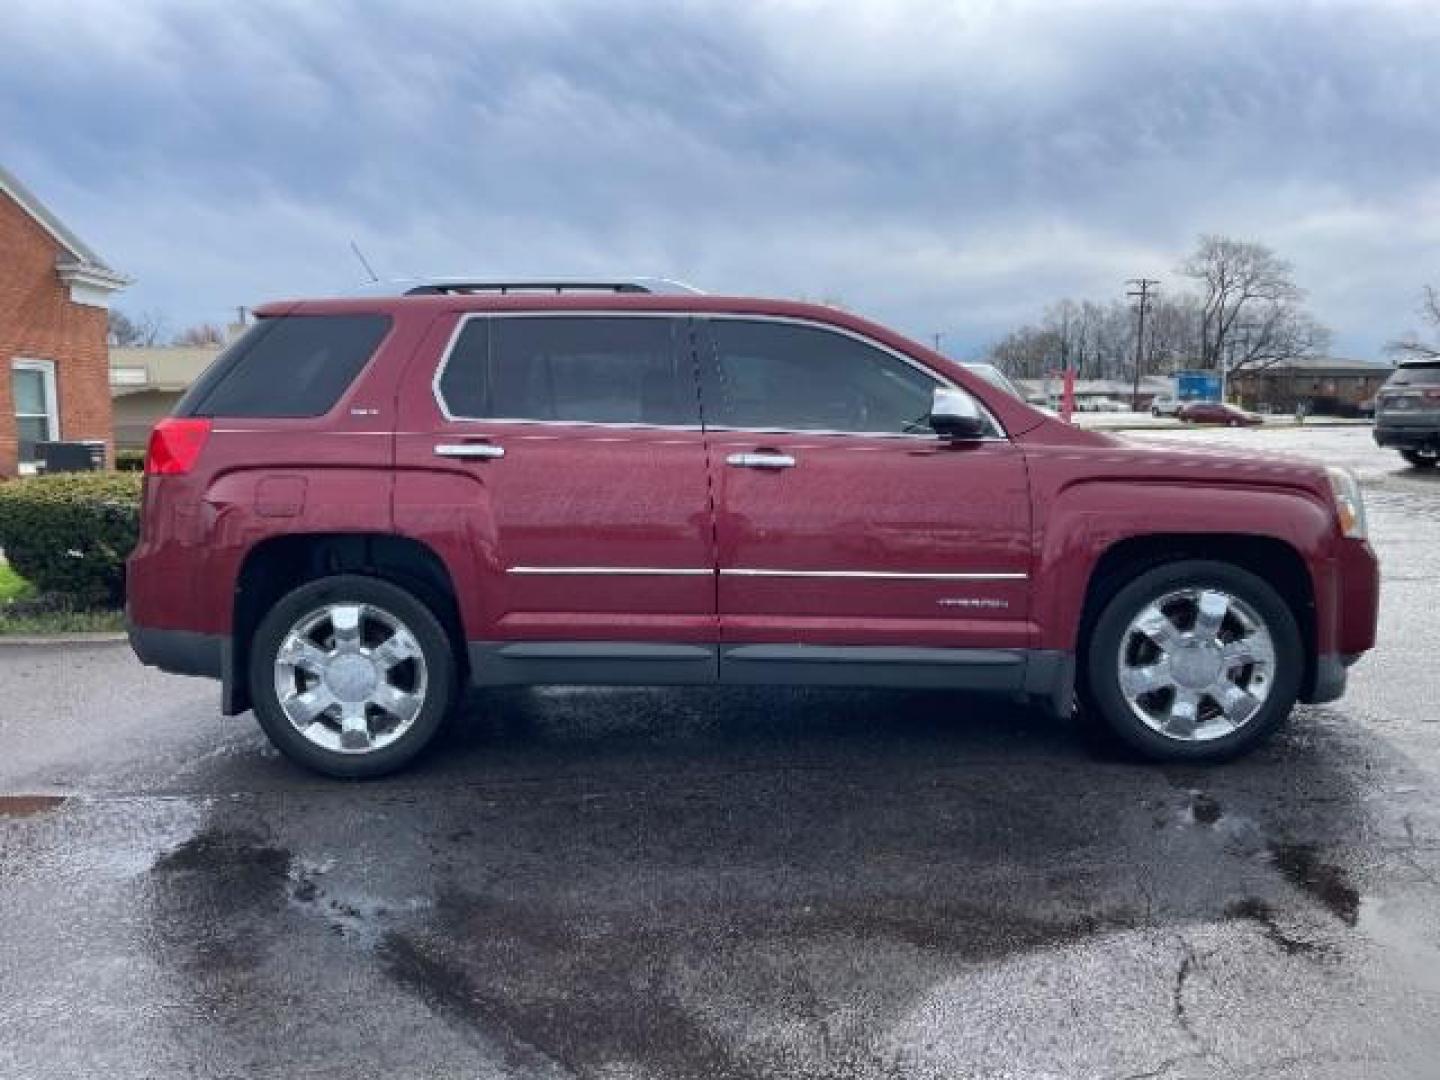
1325	385
54	292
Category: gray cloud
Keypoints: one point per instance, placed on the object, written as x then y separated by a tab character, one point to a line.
941	166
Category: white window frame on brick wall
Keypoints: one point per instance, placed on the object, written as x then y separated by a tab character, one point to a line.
51	416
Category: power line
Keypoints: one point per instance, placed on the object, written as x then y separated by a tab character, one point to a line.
1142	293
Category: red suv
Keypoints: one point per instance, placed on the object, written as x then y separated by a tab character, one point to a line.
367	504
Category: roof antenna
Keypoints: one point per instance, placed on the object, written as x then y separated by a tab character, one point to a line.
364	262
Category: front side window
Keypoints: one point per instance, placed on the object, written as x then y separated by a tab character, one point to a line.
576	368
37	417
787	377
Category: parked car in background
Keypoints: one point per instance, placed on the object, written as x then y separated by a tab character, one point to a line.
1407	412
1165	405
1105	405
1217	412
366	505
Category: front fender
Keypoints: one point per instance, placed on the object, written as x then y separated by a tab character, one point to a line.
1086	520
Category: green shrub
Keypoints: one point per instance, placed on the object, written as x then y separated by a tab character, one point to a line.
69	534
130	460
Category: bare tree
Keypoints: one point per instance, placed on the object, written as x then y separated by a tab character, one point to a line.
1247	285
201	334
1410	347
1098	340
1173	333
1283	332
1026	353
147	328
1063	322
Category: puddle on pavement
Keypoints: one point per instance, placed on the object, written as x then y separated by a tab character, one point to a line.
227	852
18	806
1324	881
1205	809
1253	909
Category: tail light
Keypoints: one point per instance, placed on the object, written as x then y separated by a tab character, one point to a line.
175	445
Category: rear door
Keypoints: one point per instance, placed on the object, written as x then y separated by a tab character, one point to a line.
841	519
563	454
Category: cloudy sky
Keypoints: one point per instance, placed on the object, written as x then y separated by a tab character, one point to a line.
943	166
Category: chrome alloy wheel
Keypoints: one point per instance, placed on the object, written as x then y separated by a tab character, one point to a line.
1196	664
350	677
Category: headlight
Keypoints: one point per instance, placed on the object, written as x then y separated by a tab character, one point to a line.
1349	503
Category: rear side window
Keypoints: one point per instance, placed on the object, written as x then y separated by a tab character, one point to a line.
1426	374
292	366
582	369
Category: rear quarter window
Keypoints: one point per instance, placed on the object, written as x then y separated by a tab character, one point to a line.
291	366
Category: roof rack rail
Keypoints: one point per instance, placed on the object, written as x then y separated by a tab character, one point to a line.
465	286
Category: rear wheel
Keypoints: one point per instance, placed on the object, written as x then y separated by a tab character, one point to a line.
1194	661
1421	459
351	676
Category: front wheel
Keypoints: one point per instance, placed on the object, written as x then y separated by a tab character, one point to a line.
351	676
1421	459
1194	661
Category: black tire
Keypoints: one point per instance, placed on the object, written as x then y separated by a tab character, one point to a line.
435	647
1102	699
1421	459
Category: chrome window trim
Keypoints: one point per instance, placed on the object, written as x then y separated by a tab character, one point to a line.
687	571
466	317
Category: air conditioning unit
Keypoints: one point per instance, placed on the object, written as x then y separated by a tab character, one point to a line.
87	455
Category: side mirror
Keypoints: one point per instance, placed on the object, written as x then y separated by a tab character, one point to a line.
955	415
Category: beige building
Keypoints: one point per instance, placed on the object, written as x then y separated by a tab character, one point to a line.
147	381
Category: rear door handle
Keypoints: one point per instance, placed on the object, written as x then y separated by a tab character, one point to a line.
761	459
469	450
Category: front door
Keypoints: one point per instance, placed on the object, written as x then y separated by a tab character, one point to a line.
565	450
841	519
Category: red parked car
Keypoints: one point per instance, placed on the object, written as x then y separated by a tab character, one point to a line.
367	504
1216	412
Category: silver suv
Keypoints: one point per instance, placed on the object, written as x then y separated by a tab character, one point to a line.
1407	412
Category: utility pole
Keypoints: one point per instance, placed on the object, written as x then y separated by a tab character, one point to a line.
1142	293
937	336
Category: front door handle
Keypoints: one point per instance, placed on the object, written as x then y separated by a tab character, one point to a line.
761	459
469	450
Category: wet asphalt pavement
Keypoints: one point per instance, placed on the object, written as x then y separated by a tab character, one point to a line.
618	884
